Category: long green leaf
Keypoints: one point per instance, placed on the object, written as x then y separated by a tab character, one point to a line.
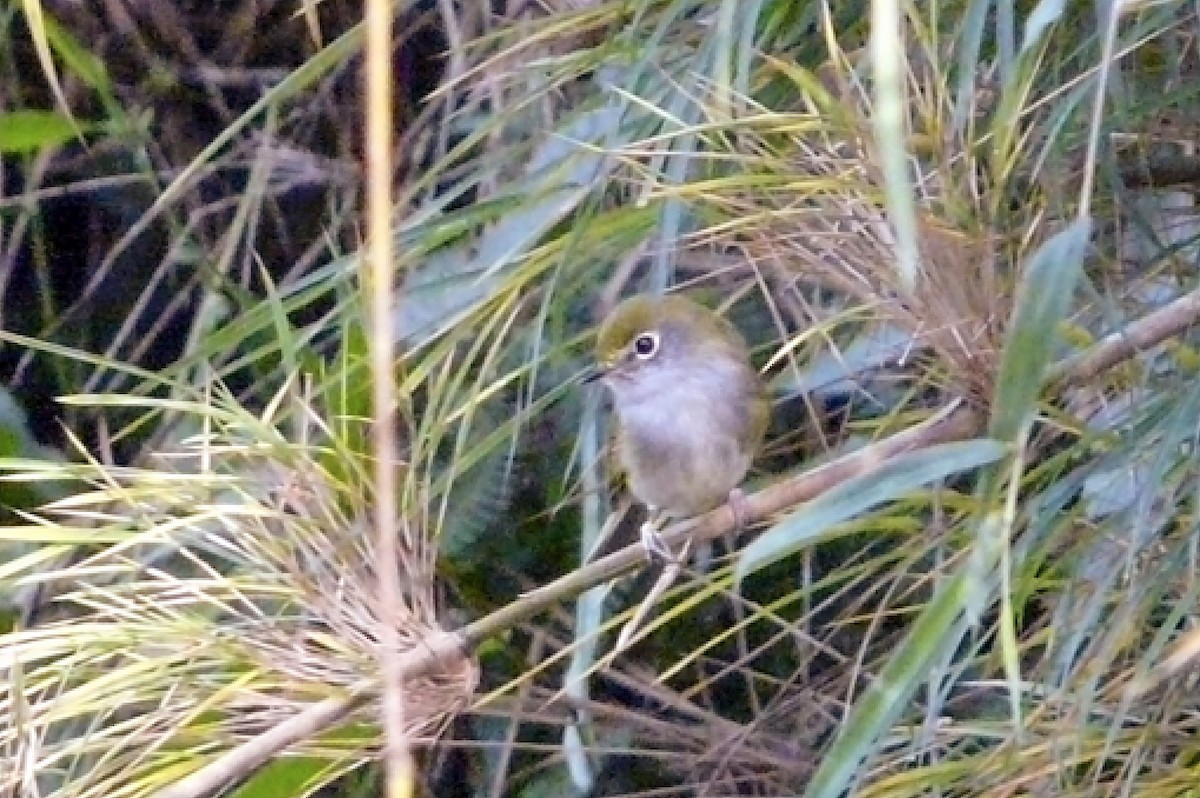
887	696
894	480
1042	303
31	130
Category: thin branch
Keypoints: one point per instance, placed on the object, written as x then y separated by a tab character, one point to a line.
1169	320
952	424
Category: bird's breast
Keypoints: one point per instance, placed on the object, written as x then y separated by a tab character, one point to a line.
681	457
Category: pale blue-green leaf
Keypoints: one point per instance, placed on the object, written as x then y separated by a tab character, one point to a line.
1111	490
970	36
747	50
1043	299
478	496
563	170
589	607
578	765
981	564
940	627
838	372
591	445
1044	14
1006	39
589	616
676	163
475	481
895	479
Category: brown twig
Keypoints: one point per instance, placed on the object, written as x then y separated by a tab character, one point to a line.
1154	328
950	425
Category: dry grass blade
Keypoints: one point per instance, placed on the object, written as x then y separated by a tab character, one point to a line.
243	591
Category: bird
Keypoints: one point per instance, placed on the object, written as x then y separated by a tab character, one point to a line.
691	410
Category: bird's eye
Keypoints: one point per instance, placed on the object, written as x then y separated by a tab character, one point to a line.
645	345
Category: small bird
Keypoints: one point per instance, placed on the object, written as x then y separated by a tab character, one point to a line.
691	410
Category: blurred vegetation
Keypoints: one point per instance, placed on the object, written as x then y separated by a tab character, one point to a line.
982	211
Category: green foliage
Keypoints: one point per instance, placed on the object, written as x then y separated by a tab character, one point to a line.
23	132
898	478
294	776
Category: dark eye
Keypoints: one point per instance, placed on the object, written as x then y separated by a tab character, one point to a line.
645	345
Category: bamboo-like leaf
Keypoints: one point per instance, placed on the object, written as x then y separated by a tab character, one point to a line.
970	40
562	171
889	694
893	480
1043	15
1045	295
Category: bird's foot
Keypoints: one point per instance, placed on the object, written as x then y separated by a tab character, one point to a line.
740	509
652	541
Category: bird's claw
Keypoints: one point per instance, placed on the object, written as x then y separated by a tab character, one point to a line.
652	541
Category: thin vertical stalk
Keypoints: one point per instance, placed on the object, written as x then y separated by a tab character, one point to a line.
379	286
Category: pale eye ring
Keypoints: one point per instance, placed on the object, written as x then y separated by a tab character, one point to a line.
645	346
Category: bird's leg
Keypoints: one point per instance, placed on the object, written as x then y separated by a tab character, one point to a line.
741	518
657	549
652	539
651	530
740	509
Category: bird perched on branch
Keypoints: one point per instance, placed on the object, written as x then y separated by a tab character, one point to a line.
691	410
